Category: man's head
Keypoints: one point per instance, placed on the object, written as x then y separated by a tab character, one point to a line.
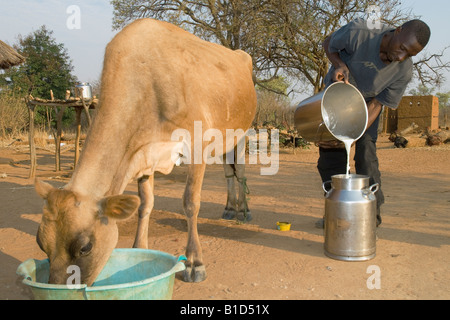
408	40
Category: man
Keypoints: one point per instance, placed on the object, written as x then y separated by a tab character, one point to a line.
378	62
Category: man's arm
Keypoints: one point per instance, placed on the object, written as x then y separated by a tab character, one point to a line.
374	108
341	72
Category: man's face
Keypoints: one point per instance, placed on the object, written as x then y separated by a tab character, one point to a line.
403	45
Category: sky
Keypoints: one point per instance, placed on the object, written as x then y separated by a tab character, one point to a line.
85	28
85	41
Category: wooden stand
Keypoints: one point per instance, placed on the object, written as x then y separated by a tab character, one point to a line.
60	105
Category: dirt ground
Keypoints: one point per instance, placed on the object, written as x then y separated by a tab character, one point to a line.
255	260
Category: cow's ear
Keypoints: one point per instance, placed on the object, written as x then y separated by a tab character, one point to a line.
120	207
42	188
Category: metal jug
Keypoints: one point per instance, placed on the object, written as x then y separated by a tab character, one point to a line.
338	111
350	218
87	90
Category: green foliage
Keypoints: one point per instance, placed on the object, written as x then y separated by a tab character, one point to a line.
444	99
47	67
277	84
422	90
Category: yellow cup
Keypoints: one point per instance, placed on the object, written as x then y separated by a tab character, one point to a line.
283	226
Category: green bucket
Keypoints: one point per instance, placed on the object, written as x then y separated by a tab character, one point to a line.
129	274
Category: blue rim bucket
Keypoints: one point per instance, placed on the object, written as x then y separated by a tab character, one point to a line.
129	274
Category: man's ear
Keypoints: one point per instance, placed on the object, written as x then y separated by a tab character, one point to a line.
120	207
42	188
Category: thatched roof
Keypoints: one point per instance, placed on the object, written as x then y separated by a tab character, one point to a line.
8	56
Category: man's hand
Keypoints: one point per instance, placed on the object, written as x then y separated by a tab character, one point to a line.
341	73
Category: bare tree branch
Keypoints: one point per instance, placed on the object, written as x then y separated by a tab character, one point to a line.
282	36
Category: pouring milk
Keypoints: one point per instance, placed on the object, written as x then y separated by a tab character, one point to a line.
348	145
339	112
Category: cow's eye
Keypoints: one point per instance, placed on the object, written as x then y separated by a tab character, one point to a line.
85	250
81	246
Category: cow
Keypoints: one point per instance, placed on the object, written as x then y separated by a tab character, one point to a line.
156	78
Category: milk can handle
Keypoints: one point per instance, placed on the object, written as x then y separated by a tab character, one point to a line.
323	186
376	186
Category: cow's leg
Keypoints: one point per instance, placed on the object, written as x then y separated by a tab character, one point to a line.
195	270
145	189
230	208
244	213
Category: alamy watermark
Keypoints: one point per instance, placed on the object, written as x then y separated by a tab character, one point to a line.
74	280
74	19
212	153
374	281
373	17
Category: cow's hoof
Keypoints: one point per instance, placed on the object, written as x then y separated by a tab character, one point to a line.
229	214
196	274
244	216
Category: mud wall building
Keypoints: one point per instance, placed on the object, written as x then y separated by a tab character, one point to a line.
421	110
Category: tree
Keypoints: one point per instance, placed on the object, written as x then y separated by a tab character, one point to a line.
224	22
444	101
283	37
47	67
444	106
296	30
273	109
421	90
430	68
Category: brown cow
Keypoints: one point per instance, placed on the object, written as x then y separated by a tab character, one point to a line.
156	78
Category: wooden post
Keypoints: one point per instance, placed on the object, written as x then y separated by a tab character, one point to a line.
294	135
33	162
79	93
86	110
77	139
58	138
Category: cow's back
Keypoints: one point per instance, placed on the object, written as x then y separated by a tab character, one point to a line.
171	76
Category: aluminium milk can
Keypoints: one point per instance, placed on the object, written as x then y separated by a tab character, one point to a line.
87	90
350	218
338	111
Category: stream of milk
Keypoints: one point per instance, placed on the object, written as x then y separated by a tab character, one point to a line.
348	145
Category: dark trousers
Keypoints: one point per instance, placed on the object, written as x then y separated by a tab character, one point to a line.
334	161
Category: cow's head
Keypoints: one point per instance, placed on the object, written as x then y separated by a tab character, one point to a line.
78	231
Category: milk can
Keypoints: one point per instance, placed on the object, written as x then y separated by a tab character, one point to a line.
350	218
338	111
87	90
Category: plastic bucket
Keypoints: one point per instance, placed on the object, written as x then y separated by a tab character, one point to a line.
338	111
129	274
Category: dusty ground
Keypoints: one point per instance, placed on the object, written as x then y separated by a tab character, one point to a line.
256	261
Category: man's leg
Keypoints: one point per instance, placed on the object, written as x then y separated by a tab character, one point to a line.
330	163
366	162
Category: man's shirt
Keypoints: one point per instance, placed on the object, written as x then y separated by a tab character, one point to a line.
359	48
